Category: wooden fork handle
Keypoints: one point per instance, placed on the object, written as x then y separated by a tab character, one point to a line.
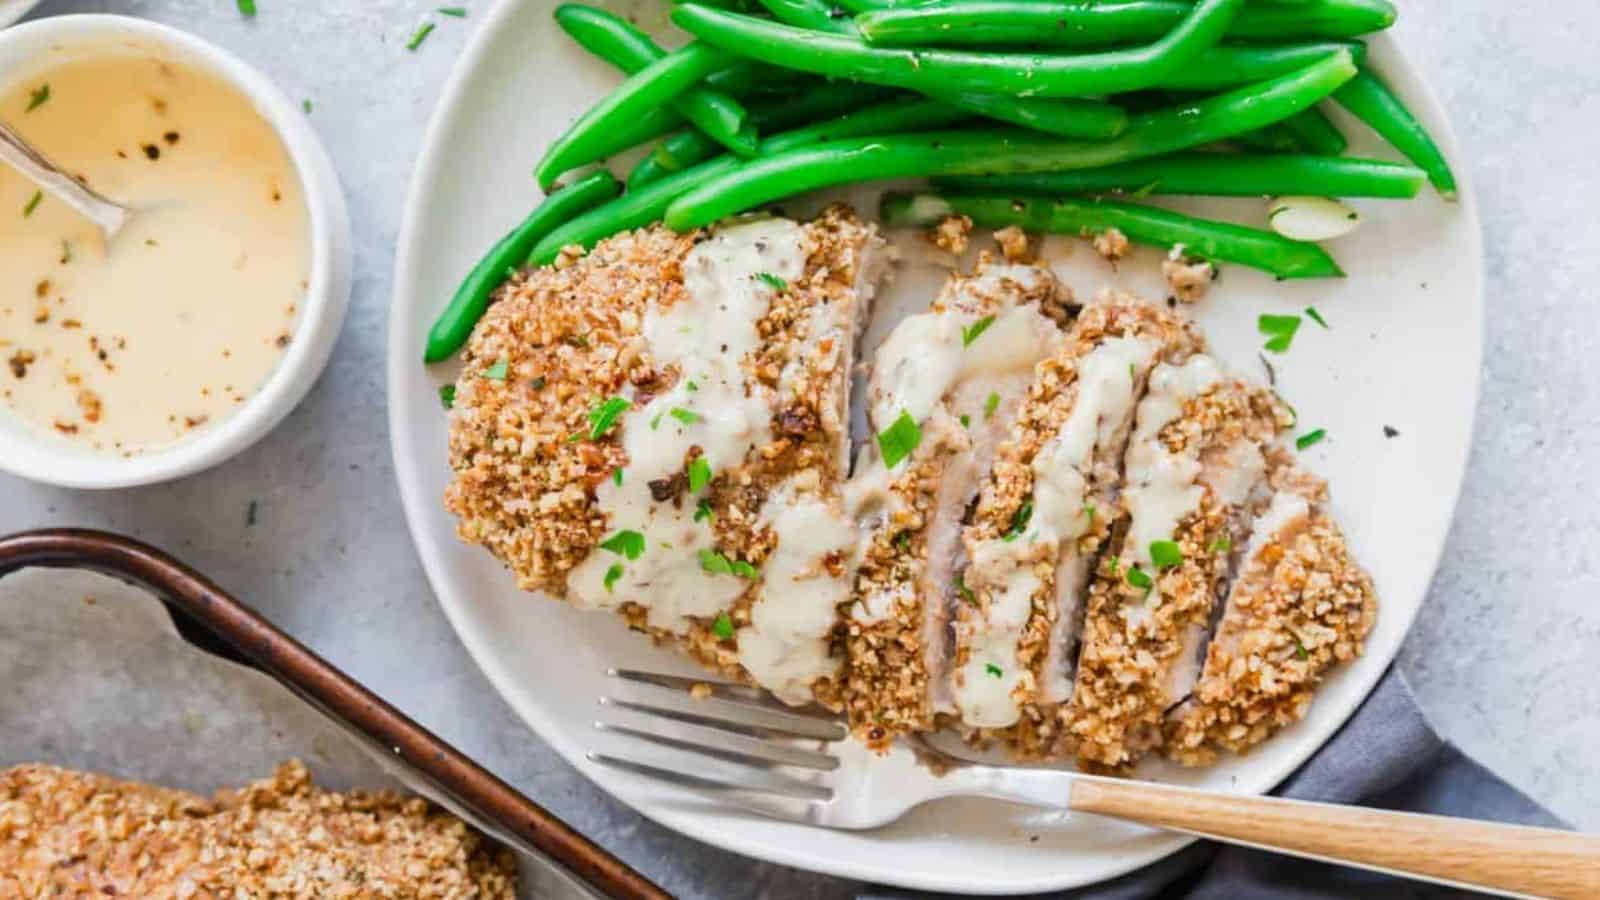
1514	859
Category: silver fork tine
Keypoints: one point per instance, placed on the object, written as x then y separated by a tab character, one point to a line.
757	784
722	745
732	715
741	694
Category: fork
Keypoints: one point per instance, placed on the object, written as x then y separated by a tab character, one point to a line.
749	750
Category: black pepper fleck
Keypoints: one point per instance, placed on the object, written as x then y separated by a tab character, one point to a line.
1389	431
152	152
170	137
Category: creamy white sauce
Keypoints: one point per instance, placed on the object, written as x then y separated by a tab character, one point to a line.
926	355
1162	487
704	336
985	687
130	348
786	646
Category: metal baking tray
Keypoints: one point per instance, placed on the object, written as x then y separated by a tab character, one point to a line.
208	617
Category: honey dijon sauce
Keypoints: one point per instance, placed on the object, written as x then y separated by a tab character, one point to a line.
129	348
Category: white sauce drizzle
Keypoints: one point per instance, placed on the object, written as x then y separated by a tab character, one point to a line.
786	646
704	336
1162	486
985	687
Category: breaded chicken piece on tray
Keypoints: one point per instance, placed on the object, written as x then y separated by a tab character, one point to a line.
945	389
659	428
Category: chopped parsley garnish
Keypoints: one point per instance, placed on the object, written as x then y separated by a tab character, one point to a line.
1088	513
1165	554
1146	190
537	383
899	440
602	417
703	511
692	386
964	591
498	371
1114	566
454	12
717	564
1310	439
447	396
699	474
306	105
687	417
722	627
773	281
38	97
420	36
975	330
993	670
616	476
1300	651
902	541
626	543
33	204
1279	330
1313	315
612	575
1141	579
247	7
66	252
990	405
656	422
1020	520
966	421
1222	544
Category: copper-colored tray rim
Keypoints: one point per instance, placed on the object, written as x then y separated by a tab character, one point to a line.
262	645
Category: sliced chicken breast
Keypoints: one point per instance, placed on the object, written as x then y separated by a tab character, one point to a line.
1043	515
1194	461
944	390
1299	606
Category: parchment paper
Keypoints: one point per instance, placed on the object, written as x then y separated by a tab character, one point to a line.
94	676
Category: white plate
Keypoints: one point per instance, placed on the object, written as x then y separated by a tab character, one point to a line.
1403	351
12	10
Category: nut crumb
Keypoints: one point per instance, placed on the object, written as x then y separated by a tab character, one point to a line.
700	690
1013	243
1187	277
1111	244
951	234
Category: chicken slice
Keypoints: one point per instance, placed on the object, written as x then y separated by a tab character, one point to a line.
1043	516
945	389
1195	460
1299	606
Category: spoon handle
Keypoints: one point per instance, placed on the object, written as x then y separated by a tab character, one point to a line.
22	156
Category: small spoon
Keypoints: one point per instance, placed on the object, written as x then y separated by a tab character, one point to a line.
109	215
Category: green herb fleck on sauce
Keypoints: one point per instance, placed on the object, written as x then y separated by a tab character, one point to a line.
1310	439
722	627
420	36
1165	554
990	405
498	371
993	670
613	574
699	474
976	330
604	416
626	543
33	204
773	281
899	440
1279	330
447	396
38	97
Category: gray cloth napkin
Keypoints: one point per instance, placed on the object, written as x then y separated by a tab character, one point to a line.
1386	756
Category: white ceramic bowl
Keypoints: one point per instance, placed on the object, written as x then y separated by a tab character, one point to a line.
12	10
32	454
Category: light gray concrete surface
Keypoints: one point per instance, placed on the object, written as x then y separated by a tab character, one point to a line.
1504	656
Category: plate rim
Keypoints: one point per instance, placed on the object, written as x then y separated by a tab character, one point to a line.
432	157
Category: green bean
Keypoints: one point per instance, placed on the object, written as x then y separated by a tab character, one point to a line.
1313	132
936	71
1162	131
749	79
1272	139
1217	174
817	15
650	87
1371	101
1067	117
685	148
453	326
609	37
641	207
1073	23
1222	241
1220	68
